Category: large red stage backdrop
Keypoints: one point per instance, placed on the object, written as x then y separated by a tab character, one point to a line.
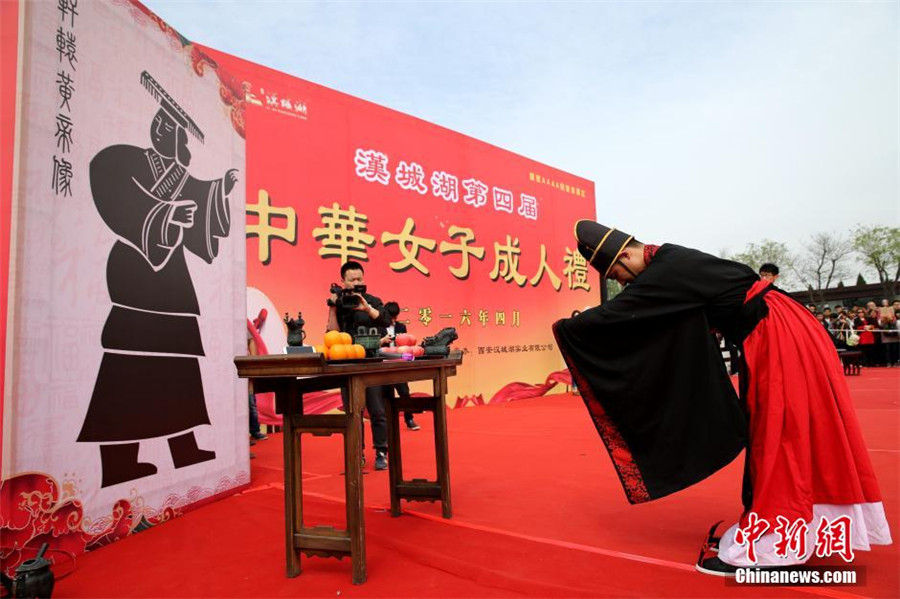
126	152
459	232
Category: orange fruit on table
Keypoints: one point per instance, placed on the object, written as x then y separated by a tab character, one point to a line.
360	350
338	352
346	339
321	349
332	338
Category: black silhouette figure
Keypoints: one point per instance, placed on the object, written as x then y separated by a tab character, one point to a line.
149	382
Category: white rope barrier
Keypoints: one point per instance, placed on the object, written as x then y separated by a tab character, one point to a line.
858	331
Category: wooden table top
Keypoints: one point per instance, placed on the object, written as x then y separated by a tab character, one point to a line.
281	365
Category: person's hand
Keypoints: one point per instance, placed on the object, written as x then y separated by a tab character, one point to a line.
386	340
363	304
183	214
230	179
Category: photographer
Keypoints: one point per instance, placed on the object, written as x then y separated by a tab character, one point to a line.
349	308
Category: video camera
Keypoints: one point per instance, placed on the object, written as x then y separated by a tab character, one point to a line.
346	298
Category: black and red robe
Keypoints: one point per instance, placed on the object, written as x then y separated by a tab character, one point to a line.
652	377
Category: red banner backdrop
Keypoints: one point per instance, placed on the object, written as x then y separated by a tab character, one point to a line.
460	233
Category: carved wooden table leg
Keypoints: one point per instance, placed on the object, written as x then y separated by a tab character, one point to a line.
293	491
440	442
353	452
395	455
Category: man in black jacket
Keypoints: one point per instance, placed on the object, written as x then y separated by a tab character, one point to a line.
368	312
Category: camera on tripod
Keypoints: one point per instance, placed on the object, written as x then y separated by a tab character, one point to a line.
346	298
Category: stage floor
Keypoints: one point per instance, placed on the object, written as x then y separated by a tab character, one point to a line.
538	512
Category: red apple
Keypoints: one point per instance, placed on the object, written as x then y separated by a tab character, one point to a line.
418	351
404	339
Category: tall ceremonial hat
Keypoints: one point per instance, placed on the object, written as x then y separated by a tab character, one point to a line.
170	106
600	245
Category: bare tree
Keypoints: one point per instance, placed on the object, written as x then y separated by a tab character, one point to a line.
879	247
825	261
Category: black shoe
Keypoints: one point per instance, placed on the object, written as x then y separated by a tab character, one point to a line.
411	424
185	451
380	460
716	567
711	543
259	436
119	464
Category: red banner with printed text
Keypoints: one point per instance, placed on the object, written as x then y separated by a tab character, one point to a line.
459	232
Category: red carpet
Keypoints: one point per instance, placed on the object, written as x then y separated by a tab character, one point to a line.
538	512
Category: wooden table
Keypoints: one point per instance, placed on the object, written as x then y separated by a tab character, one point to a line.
289	377
851	359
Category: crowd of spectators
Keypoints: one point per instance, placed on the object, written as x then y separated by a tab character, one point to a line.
872	329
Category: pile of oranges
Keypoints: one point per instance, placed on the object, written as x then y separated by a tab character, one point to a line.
340	346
